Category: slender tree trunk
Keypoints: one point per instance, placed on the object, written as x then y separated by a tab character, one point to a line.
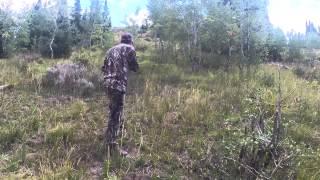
277	131
155	40
228	64
1	47
162	49
242	59
53	38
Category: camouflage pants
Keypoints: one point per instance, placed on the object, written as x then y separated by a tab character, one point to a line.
115	123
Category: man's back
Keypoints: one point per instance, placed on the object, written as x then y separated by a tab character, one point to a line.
119	60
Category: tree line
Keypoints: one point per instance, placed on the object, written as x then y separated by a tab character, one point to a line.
224	32
52	30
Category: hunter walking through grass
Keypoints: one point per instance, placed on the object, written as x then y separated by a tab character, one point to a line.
118	61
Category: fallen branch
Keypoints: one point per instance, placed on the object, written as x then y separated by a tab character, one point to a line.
249	169
6	87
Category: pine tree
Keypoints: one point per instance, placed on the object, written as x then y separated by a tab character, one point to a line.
41	25
106	20
95	12
1	39
38	6
62	43
76	15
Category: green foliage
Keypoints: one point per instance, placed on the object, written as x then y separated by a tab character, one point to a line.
296	43
267	80
309	165
62	39
81	57
64	171
313	40
299	71
42	27
141	45
303	134
62	132
307	73
49	32
22	42
6	34
276	44
76	15
235	33
176	122
91	59
77	110
9	135
11	72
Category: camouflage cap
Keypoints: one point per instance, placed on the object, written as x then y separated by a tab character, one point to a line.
126	38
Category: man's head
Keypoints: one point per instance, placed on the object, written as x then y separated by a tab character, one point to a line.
126	38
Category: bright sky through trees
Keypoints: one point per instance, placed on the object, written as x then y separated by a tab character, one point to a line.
293	14
286	14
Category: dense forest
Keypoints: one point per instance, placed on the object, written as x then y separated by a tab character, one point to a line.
221	93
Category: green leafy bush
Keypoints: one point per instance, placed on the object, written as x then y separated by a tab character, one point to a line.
9	135
62	132
267	80
299	71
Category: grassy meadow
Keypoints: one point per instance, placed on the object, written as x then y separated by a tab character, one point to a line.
178	124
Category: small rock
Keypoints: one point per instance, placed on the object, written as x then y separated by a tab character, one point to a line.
32	157
34	141
96	170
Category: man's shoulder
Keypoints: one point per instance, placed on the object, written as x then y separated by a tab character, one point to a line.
123	46
127	48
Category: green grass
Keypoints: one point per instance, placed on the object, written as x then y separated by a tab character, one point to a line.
178	124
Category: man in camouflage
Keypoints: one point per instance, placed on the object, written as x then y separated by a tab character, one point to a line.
118	61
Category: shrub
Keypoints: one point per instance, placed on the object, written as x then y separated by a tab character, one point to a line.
302	133
299	71
9	135
141	45
69	78
63	132
267	80
63	171
77	109
81	57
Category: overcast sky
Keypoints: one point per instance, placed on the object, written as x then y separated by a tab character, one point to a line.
286	14
293	14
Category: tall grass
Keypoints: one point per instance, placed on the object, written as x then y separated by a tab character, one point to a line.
178	124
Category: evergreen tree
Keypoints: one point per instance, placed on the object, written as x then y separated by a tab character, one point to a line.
42	26
204	29
295	45
22	40
50	30
6	34
99	23
62	41
106	19
312	36
276	45
95	12
76	27
76	15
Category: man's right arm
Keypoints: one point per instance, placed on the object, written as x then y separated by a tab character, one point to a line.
132	61
105	63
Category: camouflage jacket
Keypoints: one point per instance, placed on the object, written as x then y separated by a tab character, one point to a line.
118	61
